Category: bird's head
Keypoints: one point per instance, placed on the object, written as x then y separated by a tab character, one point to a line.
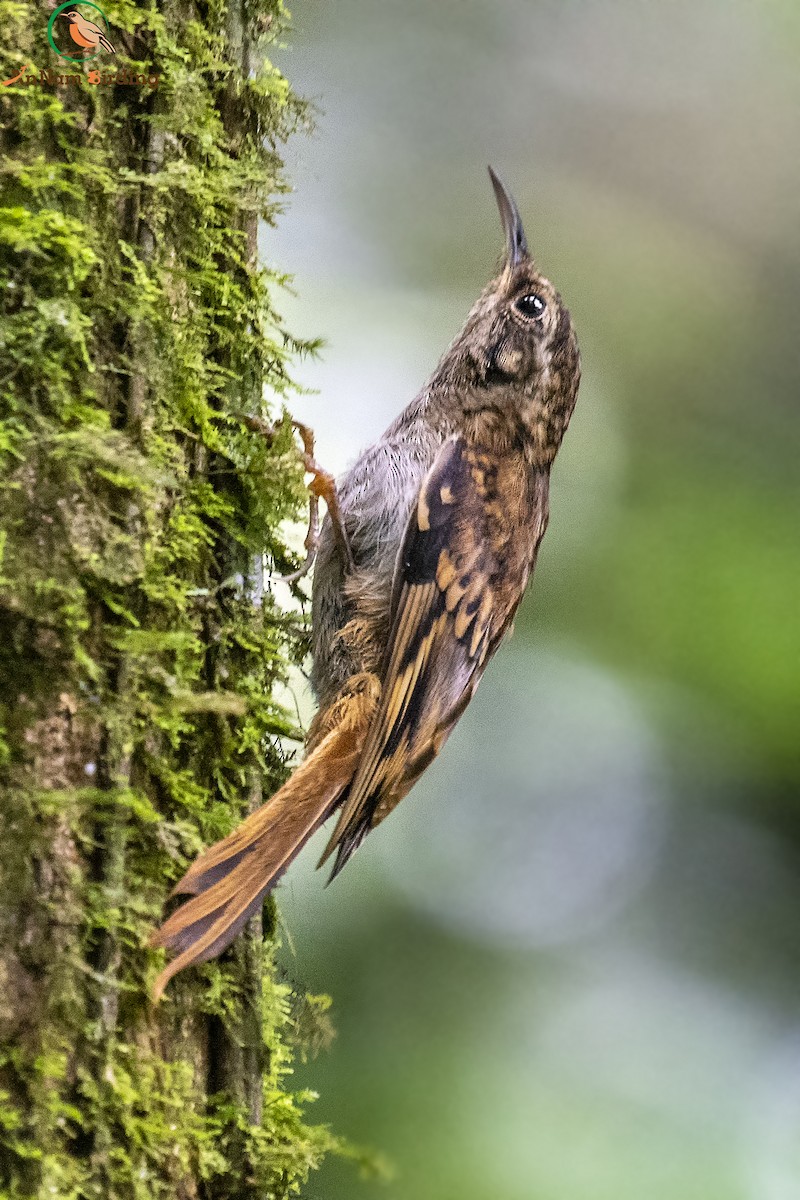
71	16
517	355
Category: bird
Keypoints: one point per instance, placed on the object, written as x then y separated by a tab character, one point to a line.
441	522
86	34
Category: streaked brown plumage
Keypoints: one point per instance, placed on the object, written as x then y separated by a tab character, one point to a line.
443	516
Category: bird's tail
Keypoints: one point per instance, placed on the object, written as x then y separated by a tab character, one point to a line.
228	883
106	44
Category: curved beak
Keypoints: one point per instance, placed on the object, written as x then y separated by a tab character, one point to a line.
516	242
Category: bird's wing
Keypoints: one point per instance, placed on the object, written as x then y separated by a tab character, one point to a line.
459	578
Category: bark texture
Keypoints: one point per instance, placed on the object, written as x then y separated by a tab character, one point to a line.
138	652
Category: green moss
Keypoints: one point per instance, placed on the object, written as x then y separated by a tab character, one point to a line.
137	671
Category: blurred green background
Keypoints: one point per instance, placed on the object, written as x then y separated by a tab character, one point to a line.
568	968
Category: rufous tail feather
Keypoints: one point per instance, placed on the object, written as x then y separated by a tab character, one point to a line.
229	882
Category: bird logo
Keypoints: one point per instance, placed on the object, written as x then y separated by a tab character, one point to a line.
87	34
84	31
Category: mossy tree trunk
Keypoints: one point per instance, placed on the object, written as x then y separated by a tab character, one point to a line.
138	654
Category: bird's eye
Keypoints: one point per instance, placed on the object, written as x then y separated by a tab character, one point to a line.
530	306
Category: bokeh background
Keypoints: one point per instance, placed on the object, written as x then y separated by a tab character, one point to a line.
568	968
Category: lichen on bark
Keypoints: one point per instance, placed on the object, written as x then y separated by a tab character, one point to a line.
138	717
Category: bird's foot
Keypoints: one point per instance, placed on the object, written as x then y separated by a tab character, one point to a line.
322	485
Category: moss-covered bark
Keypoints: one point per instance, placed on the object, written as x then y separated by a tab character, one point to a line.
138	655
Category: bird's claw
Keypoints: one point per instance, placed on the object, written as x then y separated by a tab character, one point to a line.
323	485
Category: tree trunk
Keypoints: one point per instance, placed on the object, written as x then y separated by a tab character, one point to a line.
138	650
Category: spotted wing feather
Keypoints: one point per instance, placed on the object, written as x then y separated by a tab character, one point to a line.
458	581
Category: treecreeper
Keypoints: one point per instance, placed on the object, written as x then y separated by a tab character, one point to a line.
416	582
